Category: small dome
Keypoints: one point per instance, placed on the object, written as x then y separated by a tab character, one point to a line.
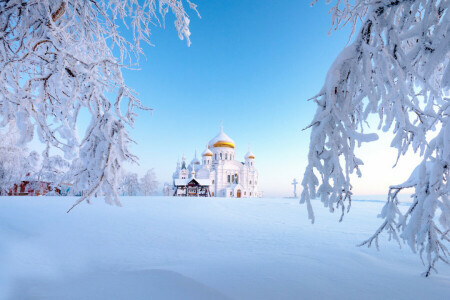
207	152
221	140
195	161
249	154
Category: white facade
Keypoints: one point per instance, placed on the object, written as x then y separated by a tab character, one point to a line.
218	168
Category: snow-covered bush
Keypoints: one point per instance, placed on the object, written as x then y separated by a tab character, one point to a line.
16	162
148	183
397	68
129	184
57	68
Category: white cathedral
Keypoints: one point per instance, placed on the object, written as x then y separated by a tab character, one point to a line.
218	174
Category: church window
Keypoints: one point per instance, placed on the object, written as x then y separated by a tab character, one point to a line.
250	182
215	156
232	178
229	179
226	156
231	193
220	156
213	181
237	181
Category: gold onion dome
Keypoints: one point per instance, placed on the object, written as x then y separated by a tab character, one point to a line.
207	152
221	140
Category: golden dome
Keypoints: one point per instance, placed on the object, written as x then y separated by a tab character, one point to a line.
207	152
221	140
223	144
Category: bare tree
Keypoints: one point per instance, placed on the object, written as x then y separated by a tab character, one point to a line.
397	68
56	60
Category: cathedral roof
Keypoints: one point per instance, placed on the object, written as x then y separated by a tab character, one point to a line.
221	140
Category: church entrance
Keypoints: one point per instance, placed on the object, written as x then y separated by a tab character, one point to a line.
238	194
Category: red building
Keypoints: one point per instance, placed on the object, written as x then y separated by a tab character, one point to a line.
31	188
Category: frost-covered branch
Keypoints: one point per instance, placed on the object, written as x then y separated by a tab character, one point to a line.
58	69
397	68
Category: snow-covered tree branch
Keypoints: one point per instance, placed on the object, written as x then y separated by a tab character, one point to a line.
397	68
58	68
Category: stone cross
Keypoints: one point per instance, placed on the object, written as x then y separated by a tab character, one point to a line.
294	183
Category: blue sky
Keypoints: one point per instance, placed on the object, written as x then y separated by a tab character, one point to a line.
253	65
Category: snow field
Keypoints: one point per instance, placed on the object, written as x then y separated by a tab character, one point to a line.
201	248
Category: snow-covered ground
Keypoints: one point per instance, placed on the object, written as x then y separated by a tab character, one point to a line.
201	248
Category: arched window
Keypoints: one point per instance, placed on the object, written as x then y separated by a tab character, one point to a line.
250	182
220	156
226	156
215	156
229	179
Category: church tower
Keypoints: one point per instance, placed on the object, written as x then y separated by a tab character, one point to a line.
250	158
184	171
207	157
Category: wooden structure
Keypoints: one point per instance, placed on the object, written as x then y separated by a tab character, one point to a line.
192	187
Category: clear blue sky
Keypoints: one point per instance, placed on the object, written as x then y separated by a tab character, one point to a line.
252	64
